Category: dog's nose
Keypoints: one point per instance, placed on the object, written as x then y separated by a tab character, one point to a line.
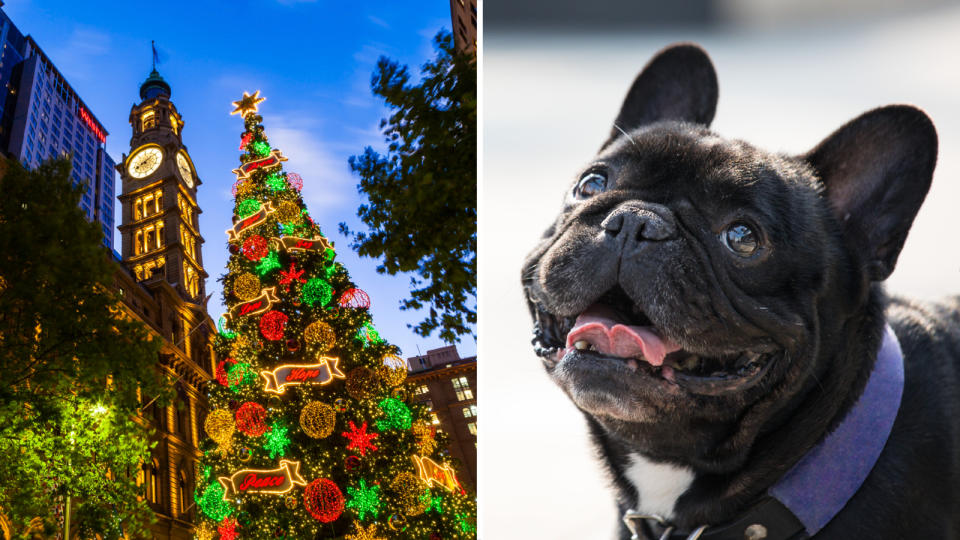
639	222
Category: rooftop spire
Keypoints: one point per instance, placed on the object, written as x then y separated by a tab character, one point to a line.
154	85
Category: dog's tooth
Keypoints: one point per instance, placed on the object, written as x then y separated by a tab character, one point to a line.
581	345
691	363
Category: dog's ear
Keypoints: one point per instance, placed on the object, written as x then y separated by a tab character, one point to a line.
877	170
679	83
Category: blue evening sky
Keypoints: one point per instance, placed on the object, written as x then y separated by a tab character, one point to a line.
312	59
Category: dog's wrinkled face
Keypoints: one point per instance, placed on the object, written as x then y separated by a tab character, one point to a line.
688	276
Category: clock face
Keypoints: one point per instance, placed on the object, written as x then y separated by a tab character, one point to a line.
185	171
144	162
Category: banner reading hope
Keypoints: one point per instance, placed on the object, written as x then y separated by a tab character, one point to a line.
321	373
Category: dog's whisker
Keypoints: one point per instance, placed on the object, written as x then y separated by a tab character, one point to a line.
625	134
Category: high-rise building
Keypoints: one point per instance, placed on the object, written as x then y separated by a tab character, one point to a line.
447	384
463	16
42	116
161	280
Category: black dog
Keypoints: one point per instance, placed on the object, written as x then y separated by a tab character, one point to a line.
716	312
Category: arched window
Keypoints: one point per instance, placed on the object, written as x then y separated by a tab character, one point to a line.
183	494
182	413
138	244
153	482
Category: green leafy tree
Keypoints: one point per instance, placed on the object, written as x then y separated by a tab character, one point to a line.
312	431
422	209
70	362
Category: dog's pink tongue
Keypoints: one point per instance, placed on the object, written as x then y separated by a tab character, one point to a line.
598	326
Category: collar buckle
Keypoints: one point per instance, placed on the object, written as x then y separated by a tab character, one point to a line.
633	520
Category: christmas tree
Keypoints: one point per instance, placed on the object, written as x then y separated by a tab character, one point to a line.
311	432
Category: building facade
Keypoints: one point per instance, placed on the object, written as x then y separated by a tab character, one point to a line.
447	384
42	116
463	17
161	280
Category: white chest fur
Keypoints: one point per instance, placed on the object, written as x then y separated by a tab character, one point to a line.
658	484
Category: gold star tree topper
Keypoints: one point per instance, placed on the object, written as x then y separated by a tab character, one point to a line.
248	104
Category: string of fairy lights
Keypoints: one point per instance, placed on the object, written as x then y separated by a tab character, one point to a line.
311	431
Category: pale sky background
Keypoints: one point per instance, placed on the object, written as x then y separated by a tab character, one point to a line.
312	59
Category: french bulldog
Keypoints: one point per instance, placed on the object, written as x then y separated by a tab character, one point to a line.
715	311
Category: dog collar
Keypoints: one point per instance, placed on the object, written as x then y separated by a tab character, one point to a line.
817	488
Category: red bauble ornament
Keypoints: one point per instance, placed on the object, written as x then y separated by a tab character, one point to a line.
351	463
355	298
222	370
324	500
234	249
295	181
234	404
271	325
293	345
251	419
255	248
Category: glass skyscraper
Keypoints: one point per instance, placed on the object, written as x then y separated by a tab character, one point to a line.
41	116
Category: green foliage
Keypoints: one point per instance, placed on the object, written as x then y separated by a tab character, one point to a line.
422	210
70	364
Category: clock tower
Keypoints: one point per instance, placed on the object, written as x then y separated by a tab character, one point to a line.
159	225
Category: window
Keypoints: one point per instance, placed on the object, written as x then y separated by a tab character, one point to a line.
183	493
470	412
191	280
153	482
433	419
472	426
148	120
462	387
422	389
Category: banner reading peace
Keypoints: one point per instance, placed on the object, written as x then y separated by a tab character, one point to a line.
276	481
321	373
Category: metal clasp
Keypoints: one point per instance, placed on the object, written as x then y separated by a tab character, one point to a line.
632	518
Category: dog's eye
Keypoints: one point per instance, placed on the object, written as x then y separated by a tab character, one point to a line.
741	239
590	184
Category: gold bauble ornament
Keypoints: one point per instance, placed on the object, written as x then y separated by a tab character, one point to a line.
317	419
320	336
246	286
393	370
289	212
219	426
361	383
408	489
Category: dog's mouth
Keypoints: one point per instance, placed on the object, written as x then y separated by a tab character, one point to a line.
613	332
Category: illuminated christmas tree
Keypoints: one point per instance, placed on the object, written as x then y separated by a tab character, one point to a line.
311	432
